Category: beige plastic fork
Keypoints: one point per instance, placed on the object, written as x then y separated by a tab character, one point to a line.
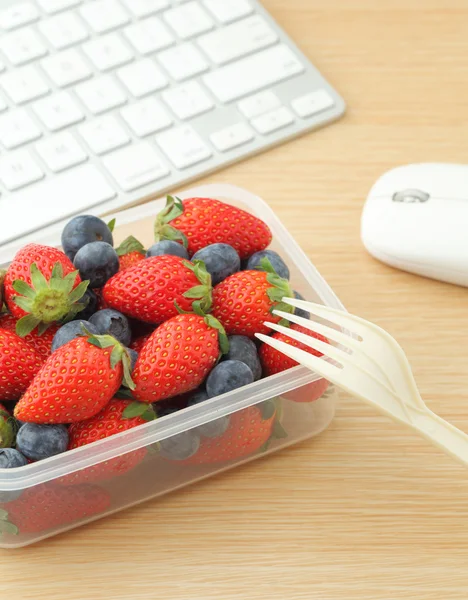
369	364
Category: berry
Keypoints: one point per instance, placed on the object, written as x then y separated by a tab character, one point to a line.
200	222
91	300
130	253
19	363
7	428
139	342
38	442
133	358
274	361
181	446
150	290
97	262
281	268
83	230
42	343
227	376
244	349
70	331
177	357
245	300
11	459
113	323
76	382
42	285
214	428
221	260
167	247
298	311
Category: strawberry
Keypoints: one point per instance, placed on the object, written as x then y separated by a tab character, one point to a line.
139	342
245	300
41	343
178	356
42	287
7	428
19	363
76	382
110	421
200	222
152	290
130	252
46	506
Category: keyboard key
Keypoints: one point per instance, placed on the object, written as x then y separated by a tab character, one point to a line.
142	78
104	15
82	188
104	134
183	146
259	104
234	41
146	117
227	11
313	103
274	120
17	128
188	20
143	8
149	36
101	94
107	52
63	31
53	6
18	169
183	62
22	46
66	68
253	73
232	137
188	100
21	13
23	85
135	166
61	151
58	111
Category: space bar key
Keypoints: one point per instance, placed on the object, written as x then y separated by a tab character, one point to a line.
51	201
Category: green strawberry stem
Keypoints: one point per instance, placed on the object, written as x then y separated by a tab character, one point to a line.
47	302
130	244
119	354
5	525
111	225
7	430
139	409
280	288
162	230
201	294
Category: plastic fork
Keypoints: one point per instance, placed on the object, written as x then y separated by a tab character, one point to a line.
367	362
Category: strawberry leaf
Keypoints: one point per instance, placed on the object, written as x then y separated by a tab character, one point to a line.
26	324
78	292
57	271
268	409
130	244
198	291
223	339
162	230
25	303
24	289
111	225
135	409
37	278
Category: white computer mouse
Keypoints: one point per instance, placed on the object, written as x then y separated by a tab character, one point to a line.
416	219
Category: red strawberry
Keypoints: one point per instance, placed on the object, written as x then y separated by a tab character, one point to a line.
177	357
110	421
41	343
139	342
130	252
46	506
245	300
248	431
199	222
19	363
76	382
149	290
42	287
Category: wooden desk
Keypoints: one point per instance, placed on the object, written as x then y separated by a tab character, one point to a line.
377	514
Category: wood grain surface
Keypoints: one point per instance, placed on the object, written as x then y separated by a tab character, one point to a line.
366	511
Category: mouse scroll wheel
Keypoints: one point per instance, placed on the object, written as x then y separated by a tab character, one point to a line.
411	196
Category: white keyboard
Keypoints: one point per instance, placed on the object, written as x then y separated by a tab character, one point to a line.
104	103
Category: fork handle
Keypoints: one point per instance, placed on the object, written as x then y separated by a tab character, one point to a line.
442	434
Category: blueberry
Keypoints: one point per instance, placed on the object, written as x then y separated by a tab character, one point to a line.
41	441
298	311
275	259
111	322
133	358
227	376
92	302
180	446
11	458
97	262
221	260
84	230
244	349
167	247
213	429
70	331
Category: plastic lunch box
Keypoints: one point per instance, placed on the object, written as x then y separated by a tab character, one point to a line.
306	403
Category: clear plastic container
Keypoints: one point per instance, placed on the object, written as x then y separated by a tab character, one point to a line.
91	482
